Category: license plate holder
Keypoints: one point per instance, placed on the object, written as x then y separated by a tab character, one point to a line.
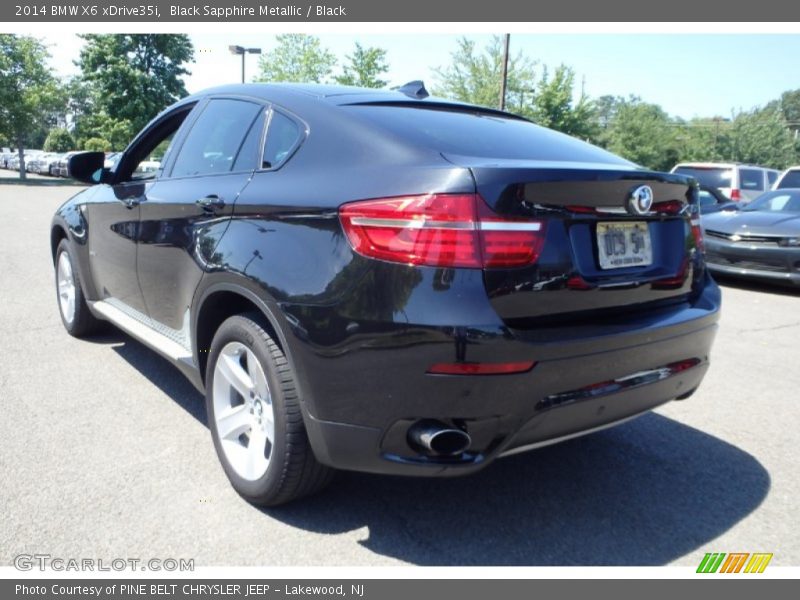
624	244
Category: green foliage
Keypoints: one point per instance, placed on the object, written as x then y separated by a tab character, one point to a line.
644	134
29	94
96	144
704	139
554	106
789	105
127	79
365	67
298	57
475	76
59	140
762	137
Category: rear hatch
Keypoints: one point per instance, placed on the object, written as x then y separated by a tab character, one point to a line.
599	254
591	252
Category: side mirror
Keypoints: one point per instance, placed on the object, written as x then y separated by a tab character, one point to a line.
88	167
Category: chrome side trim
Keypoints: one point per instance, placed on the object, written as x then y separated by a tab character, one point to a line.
460	225
509	226
145	334
570	436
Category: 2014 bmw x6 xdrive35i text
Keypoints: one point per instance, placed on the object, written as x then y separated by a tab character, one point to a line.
381	281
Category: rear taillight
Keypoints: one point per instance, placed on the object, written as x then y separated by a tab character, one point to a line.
440	230
697	232
736	195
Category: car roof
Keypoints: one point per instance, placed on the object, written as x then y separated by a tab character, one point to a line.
336	95
721	165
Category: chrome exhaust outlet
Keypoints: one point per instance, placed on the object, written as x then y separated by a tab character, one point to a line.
437	439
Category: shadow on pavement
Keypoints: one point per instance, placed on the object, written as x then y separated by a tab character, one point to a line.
753	285
644	493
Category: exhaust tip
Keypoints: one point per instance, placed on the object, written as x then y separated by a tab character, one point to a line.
437	439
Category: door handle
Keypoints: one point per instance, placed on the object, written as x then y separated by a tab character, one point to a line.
211	203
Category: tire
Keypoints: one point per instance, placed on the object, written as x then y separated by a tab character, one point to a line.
72	307
249	382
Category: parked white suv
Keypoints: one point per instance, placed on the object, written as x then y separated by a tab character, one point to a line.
738	182
790	178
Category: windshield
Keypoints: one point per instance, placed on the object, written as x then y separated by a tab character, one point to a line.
714	177
783	201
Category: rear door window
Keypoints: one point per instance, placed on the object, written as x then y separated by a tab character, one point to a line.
751	179
247	159
772	177
212	145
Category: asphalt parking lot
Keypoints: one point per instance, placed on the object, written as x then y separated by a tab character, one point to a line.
105	453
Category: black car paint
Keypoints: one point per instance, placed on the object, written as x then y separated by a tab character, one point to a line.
361	333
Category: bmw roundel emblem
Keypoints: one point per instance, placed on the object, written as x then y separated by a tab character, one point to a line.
640	200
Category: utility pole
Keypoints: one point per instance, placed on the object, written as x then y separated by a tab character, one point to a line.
504	81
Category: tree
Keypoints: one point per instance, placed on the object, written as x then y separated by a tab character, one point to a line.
298	57
789	105
644	134
554	106
476	77
762	137
366	65
97	144
131	77
704	139
29	93
59	140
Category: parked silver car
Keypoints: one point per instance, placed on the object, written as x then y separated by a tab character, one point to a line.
740	183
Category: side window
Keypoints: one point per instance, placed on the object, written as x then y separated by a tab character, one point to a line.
283	135
247	159
150	165
751	179
772	177
144	160
215	138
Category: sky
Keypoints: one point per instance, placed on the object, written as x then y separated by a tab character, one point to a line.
692	75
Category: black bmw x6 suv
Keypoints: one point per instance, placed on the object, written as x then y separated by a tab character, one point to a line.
382	281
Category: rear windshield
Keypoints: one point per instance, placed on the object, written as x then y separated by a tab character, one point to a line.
790	180
710	177
481	135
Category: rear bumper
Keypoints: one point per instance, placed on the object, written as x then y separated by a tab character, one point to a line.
361	402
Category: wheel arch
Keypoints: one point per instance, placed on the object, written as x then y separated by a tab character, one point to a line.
57	233
224	300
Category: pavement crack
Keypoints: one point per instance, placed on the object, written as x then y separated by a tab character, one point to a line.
774	328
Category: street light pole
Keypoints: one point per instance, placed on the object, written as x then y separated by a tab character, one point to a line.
242	50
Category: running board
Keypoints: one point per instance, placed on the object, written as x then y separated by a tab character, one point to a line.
147	335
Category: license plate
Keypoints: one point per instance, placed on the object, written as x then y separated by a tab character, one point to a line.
624	244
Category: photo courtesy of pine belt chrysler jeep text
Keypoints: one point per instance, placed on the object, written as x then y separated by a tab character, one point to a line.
382	281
